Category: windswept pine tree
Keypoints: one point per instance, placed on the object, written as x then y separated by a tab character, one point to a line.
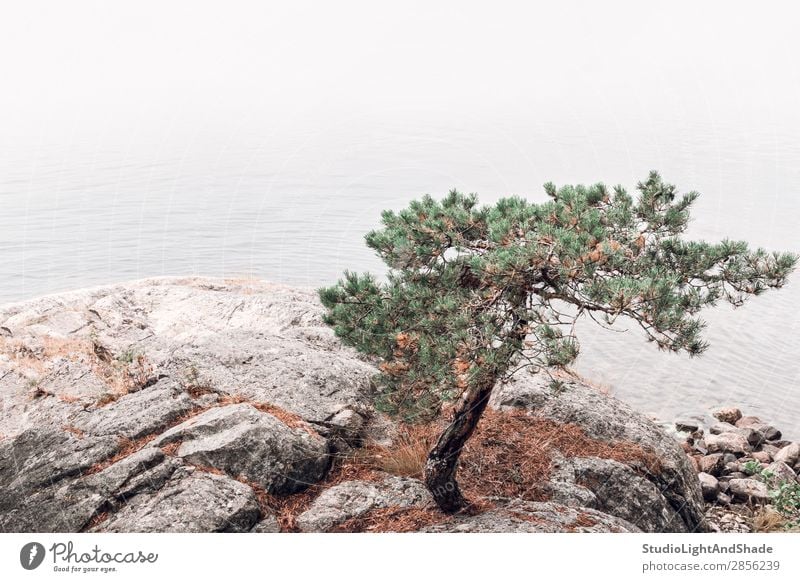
475	293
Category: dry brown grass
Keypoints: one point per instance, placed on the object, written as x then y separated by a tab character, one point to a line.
36	356
506	457
407	455
408	519
107	398
66	347
393	519
68	398
570	374
510	455
96	520
172	448
122	377
24	359
210	469
196	391
527	517
126	448
73	430
288	418
227	399
767	520
584	520
262	497
247	284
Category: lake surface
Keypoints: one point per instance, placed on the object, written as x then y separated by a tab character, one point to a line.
264	140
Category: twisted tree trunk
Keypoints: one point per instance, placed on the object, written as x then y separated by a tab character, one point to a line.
442	463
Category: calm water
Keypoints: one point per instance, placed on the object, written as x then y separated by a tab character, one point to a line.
265	140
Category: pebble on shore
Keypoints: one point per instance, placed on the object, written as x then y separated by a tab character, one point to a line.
729	458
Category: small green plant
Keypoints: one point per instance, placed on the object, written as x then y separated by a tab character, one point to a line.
786	499
128	356
191	376
193	382
107	398
785	496
752	467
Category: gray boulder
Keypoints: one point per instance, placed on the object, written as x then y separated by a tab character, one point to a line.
619	490
723	498
353	499
191	501
709	485
765	432
247	443
790	454
42	457
783	473
749	490
687	425
133	416
534	517
722	427
713	464
728	414
144	471
768	432
759	432
680	506
762	456
728	442
268	524
34	466
748	421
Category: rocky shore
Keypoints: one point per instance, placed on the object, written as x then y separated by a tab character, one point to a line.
748	474
200	405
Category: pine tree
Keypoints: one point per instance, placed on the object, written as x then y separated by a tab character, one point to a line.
475	293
